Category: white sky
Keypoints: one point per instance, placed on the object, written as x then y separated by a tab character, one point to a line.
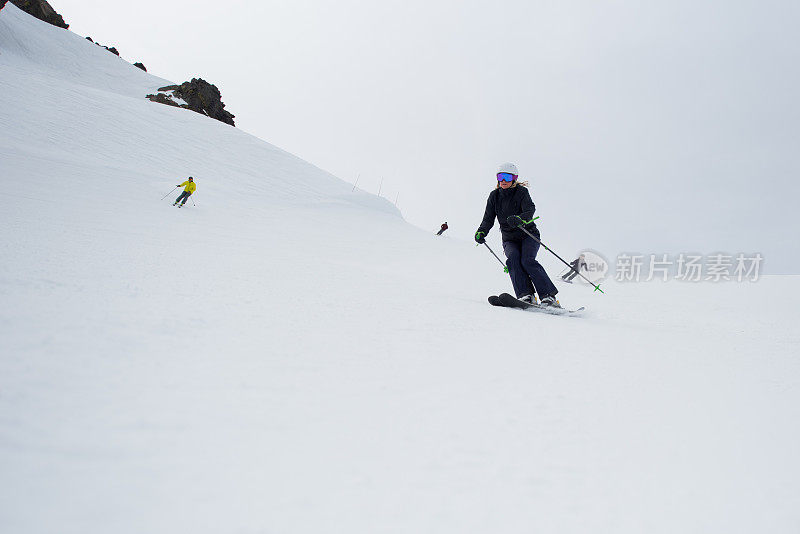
675	118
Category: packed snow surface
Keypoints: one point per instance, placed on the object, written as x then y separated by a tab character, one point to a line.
286	355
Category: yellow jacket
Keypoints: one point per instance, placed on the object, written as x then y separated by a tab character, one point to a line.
190	187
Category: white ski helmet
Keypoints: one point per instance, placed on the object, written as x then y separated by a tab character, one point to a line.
509	168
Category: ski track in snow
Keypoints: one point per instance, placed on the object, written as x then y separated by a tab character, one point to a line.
288	356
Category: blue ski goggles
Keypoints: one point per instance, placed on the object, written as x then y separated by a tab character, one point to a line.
506	177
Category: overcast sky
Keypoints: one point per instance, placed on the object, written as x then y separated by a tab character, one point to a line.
675	118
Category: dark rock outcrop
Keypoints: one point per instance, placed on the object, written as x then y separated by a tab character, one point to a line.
205	98
113	49
3	4
163	98
200	96
140	65
42	11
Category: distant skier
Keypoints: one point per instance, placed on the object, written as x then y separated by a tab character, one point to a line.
444	227
511	204
189	188
580	262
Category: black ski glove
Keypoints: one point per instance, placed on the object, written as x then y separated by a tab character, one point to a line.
515	221
479	237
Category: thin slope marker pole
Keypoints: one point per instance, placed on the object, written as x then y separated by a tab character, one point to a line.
355	184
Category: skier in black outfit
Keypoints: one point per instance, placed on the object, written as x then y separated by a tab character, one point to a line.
511	204
444	227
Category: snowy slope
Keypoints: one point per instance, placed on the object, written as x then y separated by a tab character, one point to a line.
290	356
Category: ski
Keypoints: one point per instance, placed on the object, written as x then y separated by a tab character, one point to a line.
508	301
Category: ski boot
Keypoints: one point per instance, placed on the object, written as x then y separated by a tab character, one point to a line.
550	301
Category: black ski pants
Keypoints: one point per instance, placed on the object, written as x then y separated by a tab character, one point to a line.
524	269
185	196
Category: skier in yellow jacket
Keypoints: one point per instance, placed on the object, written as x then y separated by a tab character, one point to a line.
187	191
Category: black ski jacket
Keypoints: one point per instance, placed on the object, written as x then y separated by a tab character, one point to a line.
504	202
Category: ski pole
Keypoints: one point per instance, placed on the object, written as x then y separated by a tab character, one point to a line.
596	286
193	204
505	267
168	194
